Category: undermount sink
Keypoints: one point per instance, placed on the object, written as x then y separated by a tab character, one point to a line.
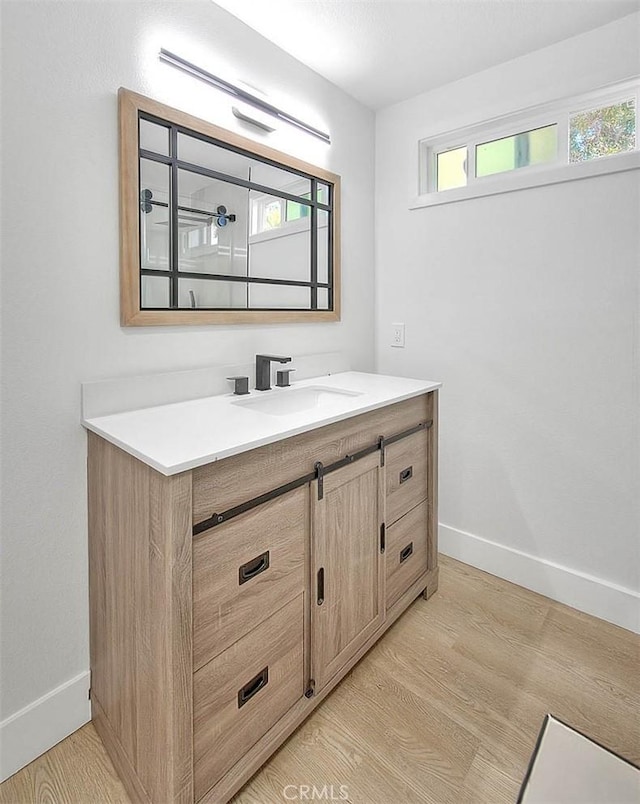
281	402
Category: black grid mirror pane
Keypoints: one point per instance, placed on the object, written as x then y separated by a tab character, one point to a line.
225	229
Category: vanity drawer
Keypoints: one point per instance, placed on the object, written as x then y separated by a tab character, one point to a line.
407	474
243	692
406	551
245	569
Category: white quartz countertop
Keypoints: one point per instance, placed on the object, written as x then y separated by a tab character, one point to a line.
180	436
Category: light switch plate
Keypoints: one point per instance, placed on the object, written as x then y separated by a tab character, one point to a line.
397	335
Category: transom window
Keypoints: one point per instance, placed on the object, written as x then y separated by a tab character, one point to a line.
569	133
604	131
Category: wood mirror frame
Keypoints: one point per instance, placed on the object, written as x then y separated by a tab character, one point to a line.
131	107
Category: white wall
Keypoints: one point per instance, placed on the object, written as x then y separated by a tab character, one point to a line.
62	65
526	306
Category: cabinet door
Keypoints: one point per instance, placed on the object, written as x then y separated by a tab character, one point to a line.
347	569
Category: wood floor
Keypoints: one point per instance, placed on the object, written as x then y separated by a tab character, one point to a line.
445	708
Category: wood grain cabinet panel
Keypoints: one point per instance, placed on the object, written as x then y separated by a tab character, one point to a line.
244	691
407	476
141	633
223	484
406	556
347	606
245	569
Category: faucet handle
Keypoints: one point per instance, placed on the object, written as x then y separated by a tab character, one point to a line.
282	377
240	385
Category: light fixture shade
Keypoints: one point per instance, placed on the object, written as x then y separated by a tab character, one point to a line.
254	118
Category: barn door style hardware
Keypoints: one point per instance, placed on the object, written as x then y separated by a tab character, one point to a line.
320	587
320	477
319	472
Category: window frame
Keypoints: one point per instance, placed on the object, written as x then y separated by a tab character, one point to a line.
553	171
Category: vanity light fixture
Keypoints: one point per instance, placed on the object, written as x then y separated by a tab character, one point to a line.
242	95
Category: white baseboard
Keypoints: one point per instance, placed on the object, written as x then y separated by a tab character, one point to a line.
43	723
603	599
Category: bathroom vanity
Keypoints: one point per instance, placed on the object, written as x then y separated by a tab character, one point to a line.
245	553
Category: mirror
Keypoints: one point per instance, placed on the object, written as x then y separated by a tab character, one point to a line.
218	228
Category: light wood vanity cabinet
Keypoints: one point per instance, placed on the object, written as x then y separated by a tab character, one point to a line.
211	644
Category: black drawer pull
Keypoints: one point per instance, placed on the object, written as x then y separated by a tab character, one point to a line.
320	596
406	552
406	474
252	568
252	687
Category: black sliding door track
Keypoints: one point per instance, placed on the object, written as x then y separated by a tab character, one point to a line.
318	474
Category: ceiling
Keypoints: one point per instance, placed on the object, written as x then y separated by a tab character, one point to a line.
384	51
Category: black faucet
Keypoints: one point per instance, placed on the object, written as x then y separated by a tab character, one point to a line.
263	370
